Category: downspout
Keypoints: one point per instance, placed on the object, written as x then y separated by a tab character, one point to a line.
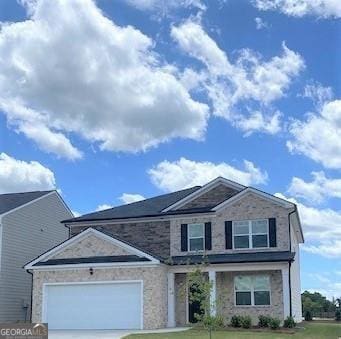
31	303
290	301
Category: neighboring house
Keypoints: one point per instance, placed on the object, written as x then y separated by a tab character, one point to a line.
29	225
126	267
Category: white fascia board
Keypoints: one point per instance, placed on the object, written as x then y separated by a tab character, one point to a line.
28	203
204	189
82	235
298	226
264	195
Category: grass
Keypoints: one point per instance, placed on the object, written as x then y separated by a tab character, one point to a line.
312	330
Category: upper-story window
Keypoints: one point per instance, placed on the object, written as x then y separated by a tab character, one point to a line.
196	237
251	233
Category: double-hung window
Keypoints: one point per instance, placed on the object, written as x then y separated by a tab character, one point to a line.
251	233
252	290
196	237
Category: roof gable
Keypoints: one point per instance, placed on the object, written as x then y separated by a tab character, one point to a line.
248	190
11	201
207	195
77	243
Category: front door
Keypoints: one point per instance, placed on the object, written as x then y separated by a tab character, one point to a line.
193	306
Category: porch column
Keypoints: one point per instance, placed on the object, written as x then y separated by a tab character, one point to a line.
171	300
286	293
213	292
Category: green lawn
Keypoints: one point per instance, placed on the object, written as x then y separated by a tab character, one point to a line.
311	331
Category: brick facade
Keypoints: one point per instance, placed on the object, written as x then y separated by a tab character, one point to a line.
153	237
154	288
91	246
211	198
249	207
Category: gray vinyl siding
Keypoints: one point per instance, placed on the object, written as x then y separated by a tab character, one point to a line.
26	233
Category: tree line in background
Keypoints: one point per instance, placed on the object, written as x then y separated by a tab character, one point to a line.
317	305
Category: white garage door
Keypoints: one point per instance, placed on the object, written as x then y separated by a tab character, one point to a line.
93	306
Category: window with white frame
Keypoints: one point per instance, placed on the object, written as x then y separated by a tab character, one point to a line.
252	290
196	237
251	233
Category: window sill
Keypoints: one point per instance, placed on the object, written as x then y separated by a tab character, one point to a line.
254	306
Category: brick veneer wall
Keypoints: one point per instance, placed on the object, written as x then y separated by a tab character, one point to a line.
153	237
154	288
211	198
250	206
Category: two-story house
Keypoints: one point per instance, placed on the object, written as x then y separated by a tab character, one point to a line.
29	225
125	267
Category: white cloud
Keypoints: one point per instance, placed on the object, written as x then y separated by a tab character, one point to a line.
317	190
21	176
300	8
318	93
260	23
164	7
103	207
78	73
128	198
319	137
183	173
249	80
322	229
257	121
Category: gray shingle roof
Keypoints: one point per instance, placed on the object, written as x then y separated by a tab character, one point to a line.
145	208
9	201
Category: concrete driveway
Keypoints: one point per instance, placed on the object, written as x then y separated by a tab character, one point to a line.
104	334
88	334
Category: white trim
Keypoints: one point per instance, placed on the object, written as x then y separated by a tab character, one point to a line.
28	203
213	293
203	190
189	238
171	299
45	295
252	290
238	196
250	234
87	232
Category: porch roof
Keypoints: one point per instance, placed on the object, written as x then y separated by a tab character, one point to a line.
250	257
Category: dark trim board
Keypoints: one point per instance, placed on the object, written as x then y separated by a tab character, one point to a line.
92	260
229	258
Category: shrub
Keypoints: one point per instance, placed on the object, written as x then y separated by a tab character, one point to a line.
263	321
236	321
274	323
338	315
213	322
308	316
246	321
289	322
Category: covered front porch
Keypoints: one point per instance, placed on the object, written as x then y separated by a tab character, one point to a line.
236	289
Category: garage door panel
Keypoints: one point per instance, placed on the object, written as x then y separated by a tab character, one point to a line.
94	306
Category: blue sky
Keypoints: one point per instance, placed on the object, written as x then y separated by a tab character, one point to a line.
113	101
